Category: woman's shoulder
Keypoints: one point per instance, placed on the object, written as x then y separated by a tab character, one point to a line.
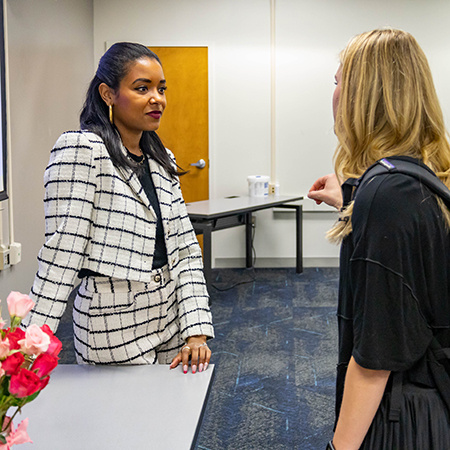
393	188
78	146
78	138
79	142
394	199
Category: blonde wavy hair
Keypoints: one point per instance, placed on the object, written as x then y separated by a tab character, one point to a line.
388	106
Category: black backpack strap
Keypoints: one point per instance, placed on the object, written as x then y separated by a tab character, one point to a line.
348	189
411	167
381	167
396	396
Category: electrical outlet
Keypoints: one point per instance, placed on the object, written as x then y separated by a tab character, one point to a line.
253	221
15	253
274	189
4	257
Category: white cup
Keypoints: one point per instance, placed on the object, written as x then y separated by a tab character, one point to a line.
258	185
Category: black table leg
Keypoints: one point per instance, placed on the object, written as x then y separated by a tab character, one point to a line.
207	229
299	237
248	240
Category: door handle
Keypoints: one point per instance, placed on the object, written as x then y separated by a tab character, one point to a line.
200	164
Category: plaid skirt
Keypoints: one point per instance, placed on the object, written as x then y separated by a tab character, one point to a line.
126	322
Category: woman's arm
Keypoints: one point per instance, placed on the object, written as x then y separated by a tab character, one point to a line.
363	391
69	192
193	300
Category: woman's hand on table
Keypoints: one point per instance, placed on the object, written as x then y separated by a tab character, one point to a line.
327	189
197	351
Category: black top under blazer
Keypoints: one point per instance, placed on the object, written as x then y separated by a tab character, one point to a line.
98	217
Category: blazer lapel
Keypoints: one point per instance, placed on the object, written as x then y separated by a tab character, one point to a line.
135	185
163	187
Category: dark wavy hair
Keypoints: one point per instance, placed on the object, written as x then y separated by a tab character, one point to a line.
112	68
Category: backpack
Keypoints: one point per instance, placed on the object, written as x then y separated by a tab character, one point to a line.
438	357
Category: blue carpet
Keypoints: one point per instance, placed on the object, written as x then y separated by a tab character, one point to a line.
275	355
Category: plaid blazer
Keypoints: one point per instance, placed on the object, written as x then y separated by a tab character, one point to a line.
98	217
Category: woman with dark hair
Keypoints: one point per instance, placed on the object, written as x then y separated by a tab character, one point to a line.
115	217
395	262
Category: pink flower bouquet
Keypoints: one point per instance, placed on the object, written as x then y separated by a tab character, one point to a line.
26	360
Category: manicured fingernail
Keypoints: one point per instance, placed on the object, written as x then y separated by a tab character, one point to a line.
194	368
185	369
200	368
206	366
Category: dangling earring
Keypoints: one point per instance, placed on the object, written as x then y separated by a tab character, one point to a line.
111	119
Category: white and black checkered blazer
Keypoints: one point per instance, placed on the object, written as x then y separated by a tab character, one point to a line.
98	217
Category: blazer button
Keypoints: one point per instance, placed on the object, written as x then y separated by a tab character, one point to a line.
157	278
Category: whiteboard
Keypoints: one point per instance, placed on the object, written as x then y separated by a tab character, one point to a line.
2	109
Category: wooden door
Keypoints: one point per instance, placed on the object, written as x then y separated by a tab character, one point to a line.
184	124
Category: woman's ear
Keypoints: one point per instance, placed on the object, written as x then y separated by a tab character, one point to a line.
106	93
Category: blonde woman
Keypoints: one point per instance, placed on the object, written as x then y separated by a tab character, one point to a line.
395	258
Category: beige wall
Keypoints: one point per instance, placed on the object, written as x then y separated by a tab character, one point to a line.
55	46
51	63
309	37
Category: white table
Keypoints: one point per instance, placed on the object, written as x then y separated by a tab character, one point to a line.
221	213
117	407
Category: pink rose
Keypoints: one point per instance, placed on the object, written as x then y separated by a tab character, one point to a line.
44	364
4	348
19	305
35	342
12	363
24	383
2	371
14	337
55	344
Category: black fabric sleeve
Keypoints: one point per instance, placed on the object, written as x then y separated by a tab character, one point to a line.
389	222
390	332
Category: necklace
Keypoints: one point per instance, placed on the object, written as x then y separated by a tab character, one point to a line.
137	159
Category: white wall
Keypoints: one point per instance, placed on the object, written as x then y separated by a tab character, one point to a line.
309	38
51	62
55	46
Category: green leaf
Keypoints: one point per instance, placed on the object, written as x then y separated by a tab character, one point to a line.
5	384
32	397
2	439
